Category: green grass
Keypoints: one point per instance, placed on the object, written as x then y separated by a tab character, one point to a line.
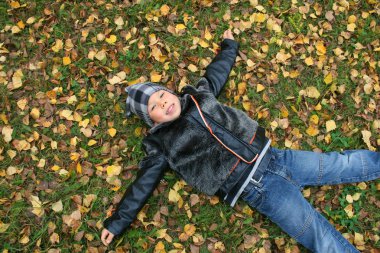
85	77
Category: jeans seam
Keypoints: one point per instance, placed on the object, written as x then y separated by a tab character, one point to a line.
305	226
365	167
320	169
337	238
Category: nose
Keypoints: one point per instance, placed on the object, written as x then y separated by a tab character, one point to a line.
162	104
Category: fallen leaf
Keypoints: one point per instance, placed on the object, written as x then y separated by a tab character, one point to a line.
330	125
112	132
57	206
111	39
113	170
66	60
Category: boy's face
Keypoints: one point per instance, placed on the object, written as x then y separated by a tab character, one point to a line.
163	107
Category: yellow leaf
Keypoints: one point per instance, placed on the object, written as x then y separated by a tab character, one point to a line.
351	19
57	206
351	27
312	130
314	119
309	61
312	92
15	4
164	10
366	138
138	131
362	186
111	39
21	24
257	17
349	210
260	87
359	239
15	29
321	49
79	168
74	156
55	168
349	199
159	248
57	46
3	227
330	125
113	170
155	77
7	133
67	114
189	229
203	43
208	35
66	60
112	132
37	206
4	118
192	68
242	87
179	27
35	113
91	142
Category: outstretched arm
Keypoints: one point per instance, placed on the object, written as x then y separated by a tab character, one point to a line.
219	69
151	171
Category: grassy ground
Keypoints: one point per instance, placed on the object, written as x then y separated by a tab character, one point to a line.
307	71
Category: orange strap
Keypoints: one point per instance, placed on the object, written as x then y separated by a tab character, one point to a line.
224	145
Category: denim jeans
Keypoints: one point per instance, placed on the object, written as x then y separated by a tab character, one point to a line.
278	194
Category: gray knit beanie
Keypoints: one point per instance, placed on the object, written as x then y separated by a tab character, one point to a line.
137	100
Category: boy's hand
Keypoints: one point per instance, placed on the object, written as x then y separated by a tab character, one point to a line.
228	35
106	237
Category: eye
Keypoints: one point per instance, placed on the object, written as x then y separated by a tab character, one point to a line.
152	108
162	94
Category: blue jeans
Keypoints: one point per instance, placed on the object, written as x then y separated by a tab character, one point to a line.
278	194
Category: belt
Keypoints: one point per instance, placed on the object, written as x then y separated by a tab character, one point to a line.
229	195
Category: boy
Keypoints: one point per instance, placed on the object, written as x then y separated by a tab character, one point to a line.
220	150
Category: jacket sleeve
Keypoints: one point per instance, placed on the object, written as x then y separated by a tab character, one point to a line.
151	171
219	69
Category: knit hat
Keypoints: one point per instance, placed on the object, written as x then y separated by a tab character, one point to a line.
137	100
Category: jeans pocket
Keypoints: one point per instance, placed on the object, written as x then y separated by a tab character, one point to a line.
252	195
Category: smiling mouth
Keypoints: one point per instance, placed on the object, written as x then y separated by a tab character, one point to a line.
170	109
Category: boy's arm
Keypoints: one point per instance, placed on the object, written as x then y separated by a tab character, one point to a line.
151	171
219	69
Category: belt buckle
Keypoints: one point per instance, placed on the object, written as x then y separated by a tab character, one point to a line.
257	181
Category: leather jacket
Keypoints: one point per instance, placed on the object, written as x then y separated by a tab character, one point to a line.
186	146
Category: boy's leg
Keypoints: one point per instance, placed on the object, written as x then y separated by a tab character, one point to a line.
311	168
282	202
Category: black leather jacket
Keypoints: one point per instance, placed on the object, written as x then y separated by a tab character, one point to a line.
186	145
